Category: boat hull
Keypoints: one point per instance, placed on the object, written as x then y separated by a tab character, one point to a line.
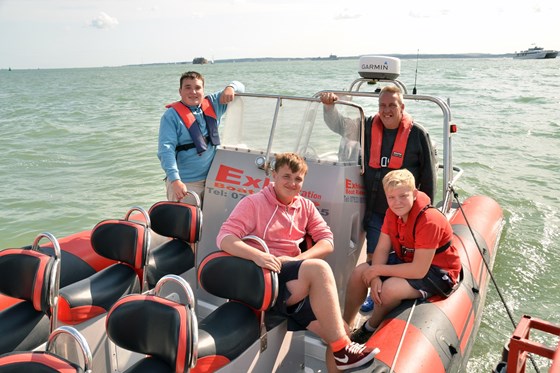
536	54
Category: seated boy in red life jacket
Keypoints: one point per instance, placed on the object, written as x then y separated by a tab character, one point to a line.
414	258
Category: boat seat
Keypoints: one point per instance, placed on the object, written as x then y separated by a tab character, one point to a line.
28	275
181	222
50	361
161	329
237	324
73	267
122	240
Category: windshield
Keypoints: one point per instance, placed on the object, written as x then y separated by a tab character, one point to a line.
275	124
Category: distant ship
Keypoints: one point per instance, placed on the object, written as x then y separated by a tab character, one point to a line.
536	53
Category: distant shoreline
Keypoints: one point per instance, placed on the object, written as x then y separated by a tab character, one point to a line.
279	59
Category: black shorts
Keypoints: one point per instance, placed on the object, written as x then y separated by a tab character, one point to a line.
300	314
435	282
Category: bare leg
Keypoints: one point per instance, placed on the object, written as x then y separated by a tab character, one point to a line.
316	279
356	291
394	291
329	361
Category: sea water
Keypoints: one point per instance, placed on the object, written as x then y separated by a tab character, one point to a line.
79	146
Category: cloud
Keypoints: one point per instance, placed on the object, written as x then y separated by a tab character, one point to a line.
103	21
426	13
345	14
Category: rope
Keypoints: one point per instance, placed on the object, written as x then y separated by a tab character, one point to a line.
402	336
490	273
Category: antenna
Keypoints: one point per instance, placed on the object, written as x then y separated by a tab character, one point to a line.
416	73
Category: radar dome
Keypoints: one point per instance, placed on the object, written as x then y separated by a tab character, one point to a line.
379	67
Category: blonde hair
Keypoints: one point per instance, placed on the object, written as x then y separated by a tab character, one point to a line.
398	178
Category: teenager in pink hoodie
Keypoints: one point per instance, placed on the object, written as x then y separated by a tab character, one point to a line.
307	292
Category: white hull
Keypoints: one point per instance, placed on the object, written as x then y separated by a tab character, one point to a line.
536	54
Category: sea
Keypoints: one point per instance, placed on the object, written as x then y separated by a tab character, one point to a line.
79	146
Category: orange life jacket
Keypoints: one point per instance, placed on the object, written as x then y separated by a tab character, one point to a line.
397	154
199	141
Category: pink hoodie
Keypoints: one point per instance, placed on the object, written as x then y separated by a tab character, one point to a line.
281	226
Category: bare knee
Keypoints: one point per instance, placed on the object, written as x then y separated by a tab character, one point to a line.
316	268
357	273
397	289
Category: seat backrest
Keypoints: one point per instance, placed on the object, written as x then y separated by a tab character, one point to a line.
27	274
50	361
234	278
121	240
125	241
32	275
177	220
154	326
177	227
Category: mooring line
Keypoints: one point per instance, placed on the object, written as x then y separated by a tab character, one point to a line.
402	336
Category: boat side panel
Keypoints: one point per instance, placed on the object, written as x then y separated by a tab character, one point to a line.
484	216
417	353
459	309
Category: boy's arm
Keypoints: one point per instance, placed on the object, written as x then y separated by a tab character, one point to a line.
319	232
382	250
413	270
233	245
320	250
167	141
228	94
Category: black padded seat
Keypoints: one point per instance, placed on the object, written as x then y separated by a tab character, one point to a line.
156	327
181	223
228	331
124	241
27	275
237	324
49	361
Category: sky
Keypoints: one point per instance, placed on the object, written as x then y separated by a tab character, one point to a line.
92	33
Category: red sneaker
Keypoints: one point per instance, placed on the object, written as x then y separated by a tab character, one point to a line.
354	355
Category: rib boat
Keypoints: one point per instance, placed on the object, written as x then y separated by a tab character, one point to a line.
536	53
150	291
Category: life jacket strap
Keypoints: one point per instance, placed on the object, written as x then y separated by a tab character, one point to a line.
189	146
407	251
441	249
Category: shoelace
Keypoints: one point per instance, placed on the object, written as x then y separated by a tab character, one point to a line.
355	348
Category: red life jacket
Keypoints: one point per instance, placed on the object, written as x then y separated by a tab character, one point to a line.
405	249
397	154
199	141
